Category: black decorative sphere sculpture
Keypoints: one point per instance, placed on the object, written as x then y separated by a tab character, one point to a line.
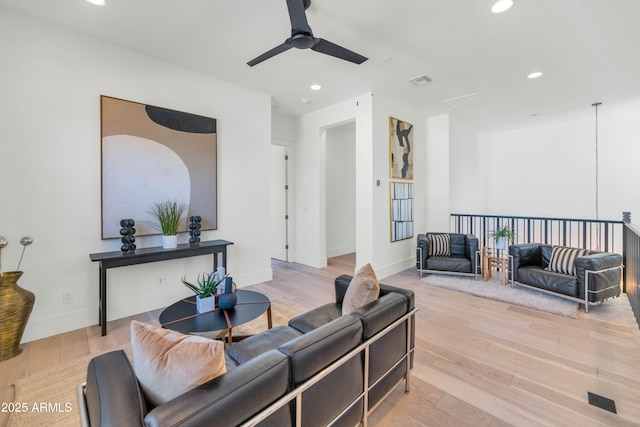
194	229
127	232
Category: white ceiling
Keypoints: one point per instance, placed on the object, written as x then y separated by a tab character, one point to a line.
588	49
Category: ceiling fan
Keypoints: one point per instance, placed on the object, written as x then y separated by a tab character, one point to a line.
302	38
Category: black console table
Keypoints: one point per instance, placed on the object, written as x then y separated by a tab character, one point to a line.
114	259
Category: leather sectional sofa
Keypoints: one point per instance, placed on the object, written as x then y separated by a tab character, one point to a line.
323	367
597	274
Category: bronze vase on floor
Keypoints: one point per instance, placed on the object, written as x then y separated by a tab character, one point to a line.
15	308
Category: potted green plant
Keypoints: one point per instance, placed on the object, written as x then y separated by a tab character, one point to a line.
169	215
205	290
502	235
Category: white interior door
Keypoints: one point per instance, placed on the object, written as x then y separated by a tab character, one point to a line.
279	205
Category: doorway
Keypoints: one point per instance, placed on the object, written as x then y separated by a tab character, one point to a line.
279	203
340	199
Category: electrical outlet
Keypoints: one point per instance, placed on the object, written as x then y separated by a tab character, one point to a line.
162	281
67	297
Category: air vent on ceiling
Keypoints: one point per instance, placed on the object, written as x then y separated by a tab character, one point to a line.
420	81
465	101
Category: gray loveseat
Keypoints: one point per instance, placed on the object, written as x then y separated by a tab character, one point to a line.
597	274
312	372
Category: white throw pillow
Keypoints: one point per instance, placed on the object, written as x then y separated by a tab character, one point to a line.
563	259
363	289
168	363
439	244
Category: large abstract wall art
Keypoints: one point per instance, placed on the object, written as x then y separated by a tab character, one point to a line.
401	149
151	155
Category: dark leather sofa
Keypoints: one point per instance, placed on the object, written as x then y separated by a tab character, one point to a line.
597	278
320	352
462	260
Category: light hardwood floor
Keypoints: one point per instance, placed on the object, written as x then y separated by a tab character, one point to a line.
478	362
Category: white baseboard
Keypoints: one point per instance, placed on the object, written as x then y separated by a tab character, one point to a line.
61	323
393	268
254	277
53	325
343	250
315	262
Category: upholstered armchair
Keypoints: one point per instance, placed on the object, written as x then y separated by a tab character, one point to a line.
446	253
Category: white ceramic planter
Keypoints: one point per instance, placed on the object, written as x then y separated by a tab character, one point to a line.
501	243
205	304
169	242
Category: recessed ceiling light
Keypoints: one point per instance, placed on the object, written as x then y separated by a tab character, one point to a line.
501	6
534	75
315	87
97	2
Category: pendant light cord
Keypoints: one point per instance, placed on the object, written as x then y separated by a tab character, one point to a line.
597	175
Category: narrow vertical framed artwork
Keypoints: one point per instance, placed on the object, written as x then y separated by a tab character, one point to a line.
150	155
400	149
401	211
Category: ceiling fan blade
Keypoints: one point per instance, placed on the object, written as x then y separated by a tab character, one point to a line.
298	17
332	49
273	52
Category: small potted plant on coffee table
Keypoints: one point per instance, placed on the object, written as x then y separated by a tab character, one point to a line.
501	236
205	291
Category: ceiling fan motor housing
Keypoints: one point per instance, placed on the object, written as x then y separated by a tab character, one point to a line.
302	40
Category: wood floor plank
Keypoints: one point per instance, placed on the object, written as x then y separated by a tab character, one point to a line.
467	414
475	397
594	415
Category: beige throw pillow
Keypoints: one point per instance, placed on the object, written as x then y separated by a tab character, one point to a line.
168	363
363	289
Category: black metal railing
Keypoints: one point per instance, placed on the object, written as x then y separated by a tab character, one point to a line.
631	238
592	234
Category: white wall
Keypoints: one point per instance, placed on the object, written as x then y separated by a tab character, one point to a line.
438	186
283	128
466	169
392	257
550	170
50	175
341	190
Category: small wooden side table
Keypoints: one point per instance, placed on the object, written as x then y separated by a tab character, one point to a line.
491	259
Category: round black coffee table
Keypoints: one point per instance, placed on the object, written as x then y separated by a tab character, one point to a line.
183	317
